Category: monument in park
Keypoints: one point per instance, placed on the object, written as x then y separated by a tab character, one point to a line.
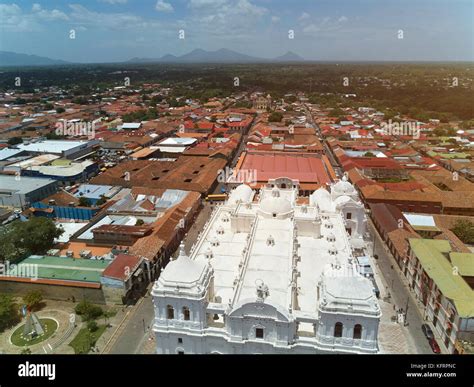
33	327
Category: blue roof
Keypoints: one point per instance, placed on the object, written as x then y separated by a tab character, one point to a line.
94	191
9	152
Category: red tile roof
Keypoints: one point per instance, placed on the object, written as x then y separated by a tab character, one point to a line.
122	267
302	167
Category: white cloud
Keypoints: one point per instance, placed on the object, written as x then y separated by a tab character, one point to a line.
325	25
105	20
304	16
196	4
218	17
275	19
163	6
13	18
9	9
36	7
44	14
114	1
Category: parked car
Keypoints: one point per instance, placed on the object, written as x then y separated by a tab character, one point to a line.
434	346
427	331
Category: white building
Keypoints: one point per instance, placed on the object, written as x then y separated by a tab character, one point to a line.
269	275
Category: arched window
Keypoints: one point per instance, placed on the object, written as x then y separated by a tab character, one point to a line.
338	329
170	312
357	331
186	313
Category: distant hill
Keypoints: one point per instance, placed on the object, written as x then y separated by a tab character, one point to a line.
198	55
222	55
289	57
8	58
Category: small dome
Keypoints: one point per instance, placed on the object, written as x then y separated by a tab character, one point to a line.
243	193
321	198
275	205
341	200
183	269
343	186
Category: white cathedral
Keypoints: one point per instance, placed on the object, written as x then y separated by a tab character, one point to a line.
271	273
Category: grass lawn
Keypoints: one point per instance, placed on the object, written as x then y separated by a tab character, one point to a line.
49	327
85	339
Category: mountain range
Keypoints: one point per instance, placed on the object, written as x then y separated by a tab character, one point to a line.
222	55
198	55
8	58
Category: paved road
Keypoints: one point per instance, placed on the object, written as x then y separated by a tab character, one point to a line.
335	165
400	292
232	164
133	332
388	268
132	335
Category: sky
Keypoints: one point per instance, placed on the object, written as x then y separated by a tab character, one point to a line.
328	30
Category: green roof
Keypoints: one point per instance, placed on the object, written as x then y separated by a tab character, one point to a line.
450	282
63	268
464	262
424	228
61	162
453	155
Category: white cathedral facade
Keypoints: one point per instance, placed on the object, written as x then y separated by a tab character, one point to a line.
271	273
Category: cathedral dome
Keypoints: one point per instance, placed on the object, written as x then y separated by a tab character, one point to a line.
243	193
322	198
275	205
183	270
341	200
343	187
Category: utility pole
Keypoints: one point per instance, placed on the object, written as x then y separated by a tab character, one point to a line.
406	311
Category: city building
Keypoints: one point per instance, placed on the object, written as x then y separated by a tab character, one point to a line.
270	275
441	279
20	191
261	103
67	149
124	279
256	168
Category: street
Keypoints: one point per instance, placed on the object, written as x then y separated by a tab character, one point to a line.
130	335
399	292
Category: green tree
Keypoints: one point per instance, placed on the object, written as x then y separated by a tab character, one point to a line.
88	311
53	136
33	299
38	234
92	326
84	202
35	236
337	112
369	154
464	230
139	222
60	110
15	141
8	312
102	200
275	117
